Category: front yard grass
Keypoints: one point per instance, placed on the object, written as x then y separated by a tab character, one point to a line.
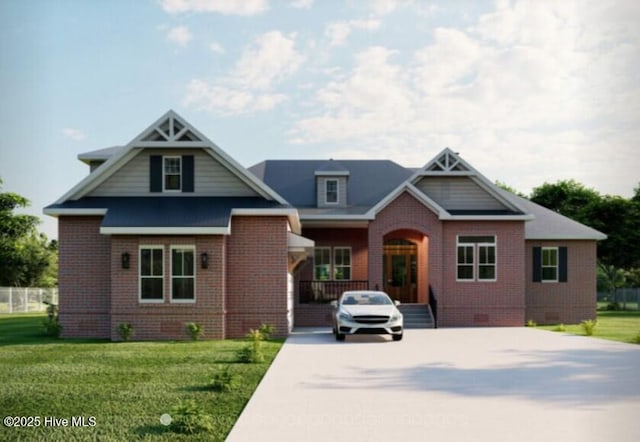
623	326
126	387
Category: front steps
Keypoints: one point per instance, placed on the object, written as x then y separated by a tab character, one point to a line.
417	316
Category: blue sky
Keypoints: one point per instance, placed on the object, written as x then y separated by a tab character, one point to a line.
526	91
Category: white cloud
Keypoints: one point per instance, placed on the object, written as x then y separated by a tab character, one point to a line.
216	47
384	7
302	4
180	35
338	32
73	134
546	89
249	85
226	7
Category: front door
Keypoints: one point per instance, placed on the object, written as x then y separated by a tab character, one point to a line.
400	270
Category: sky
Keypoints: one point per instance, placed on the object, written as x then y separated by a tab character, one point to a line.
527	92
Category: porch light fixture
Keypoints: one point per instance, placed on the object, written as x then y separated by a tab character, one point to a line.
204	260
125	259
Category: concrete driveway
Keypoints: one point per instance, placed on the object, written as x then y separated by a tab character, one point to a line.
480	384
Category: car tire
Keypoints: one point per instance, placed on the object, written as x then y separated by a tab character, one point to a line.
340	336
397	337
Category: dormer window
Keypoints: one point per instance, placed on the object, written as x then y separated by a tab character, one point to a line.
172	173
331	191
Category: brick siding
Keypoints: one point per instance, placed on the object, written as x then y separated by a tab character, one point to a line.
83	277
563	302
257	275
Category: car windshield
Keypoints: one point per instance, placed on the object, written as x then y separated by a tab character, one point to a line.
365	299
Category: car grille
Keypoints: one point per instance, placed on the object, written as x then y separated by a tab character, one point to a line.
371	319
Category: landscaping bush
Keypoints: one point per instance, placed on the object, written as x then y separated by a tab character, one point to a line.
588	326
252	352
531	323
194	330
52	327
225	379
561	328
189	418
266	330
125	331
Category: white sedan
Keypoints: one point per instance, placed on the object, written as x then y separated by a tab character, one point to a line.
366	312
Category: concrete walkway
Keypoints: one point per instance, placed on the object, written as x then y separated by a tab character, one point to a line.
493	384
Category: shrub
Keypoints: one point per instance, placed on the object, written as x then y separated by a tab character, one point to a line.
636	339
561	328
252	352
613	307
266	330
52	327
531	323
588	326
125	331
225	379
194	330
189	418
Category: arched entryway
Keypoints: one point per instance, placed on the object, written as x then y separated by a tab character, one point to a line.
405	266
400	271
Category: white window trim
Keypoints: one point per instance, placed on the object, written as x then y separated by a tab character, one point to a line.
195	266
476	257
140	277
326	182
330	263
164	174
335	266
542	266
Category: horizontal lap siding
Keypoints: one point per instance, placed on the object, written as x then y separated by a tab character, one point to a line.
257	274
458	193
167	320
564	302
211	178
83	277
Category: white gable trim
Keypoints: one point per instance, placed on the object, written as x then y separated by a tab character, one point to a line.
171	141
413	191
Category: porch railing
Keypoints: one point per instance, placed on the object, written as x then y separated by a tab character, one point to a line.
323	292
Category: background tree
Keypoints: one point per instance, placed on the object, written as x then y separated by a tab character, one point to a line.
26	257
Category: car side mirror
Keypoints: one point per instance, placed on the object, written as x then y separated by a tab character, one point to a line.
396	302
334	303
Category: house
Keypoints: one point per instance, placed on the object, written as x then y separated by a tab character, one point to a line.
169	229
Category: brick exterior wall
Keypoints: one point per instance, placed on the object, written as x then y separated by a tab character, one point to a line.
166	320
257	274
499	303
83	277
563	302
406	217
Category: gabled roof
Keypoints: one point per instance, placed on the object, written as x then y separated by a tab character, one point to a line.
100	154
172	132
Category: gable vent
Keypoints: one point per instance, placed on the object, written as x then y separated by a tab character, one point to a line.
170	130
447	162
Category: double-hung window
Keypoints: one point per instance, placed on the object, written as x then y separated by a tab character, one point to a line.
331	191
322	264
549	264
342	263
151	273
476	258
172	171
183	275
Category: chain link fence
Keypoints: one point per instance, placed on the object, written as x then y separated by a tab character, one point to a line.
628	298
26	299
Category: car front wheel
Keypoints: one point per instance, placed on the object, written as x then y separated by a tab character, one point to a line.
397	337
340	336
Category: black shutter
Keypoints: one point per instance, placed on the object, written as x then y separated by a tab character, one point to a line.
562	264
537	264
155	173
187	173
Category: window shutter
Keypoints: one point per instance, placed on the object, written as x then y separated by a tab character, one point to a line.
562	264
537	264
155	173
187	173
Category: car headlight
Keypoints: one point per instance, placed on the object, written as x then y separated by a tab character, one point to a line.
344	316
396	316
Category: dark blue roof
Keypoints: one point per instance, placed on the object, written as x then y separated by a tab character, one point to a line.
295	180
167	211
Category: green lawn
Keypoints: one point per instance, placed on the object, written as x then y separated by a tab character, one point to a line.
623	326
125	386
